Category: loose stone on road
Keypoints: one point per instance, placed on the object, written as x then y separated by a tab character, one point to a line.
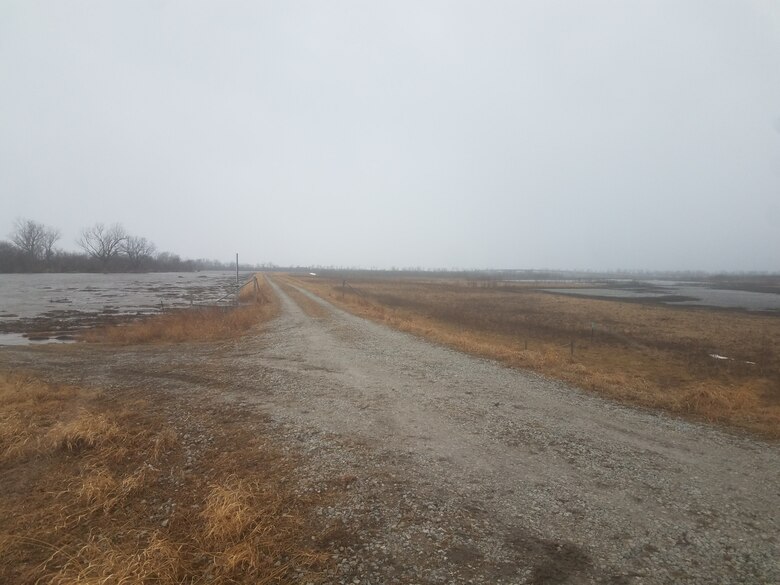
490	474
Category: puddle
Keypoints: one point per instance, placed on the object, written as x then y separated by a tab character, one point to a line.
717	356
20	339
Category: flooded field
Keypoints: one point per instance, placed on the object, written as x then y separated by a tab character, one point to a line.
51	307
680	293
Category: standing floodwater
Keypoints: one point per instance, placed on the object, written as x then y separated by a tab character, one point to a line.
55	305
680	293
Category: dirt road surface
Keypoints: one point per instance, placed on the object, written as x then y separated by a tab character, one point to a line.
458	470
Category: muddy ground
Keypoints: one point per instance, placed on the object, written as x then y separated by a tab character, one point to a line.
459	470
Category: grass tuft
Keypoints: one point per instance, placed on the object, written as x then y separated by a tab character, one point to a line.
86	431
101	561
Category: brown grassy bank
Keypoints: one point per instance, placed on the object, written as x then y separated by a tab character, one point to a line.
258	304
108	490
648	355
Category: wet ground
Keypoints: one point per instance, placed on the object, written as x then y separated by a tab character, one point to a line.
54	307
680	293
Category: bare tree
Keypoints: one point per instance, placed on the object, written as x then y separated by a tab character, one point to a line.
28	236
50	237
101	242
137	249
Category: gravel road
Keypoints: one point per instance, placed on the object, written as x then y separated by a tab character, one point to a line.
505	475
456	469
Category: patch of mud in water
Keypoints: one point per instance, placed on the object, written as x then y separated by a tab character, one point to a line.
61	326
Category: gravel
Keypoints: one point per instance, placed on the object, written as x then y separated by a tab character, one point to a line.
454	469
471	472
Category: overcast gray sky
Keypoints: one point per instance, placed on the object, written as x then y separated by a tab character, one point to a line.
577	134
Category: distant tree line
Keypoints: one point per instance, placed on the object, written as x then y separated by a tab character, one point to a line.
32	248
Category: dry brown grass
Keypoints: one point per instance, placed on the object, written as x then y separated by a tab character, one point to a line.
648	355
239	522
86	481
259	305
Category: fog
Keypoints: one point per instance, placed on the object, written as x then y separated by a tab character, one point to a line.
564	135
